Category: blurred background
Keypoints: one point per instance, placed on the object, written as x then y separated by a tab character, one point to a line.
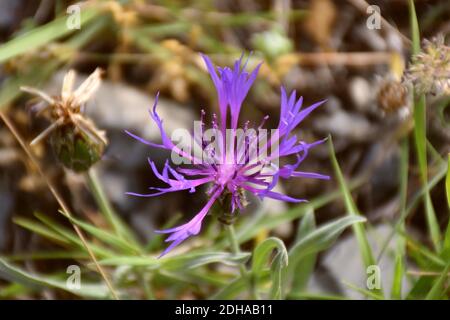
324	49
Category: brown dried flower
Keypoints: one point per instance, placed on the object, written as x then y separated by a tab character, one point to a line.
75	139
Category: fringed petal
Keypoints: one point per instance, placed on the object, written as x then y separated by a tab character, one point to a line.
181	233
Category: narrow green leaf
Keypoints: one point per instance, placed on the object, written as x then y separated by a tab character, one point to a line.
40	36
413	203
261	255
107	210
71	236
446	248
399	267
49	255
305	266
263	251
359	230
370	294
314	296
105	236
179	262
232	290
40	229
437	291
151	262
196	260
415	33
316	241
37	72
416	247
269	222
399	270
278	264
36	282
420	132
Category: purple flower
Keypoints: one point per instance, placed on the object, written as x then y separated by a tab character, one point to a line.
231	159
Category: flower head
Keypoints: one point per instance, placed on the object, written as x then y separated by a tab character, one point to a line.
232	160
76	141
429	71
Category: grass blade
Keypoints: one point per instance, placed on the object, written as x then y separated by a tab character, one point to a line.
41	230
358	229
105	207
305	266
420	132
40	36
399	267
36	282
316	241
437	291
360	232
105	236
71	236
446	249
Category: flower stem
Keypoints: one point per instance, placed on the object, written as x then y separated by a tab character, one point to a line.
105	207
102	201
235	249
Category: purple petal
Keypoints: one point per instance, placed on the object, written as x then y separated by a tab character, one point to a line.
144	141
310	175
181	233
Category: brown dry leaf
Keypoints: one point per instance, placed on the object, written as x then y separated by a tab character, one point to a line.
320	21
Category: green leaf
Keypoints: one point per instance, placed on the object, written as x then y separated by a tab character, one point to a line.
370	294
446	249
415	33
437	291
36	282
278	264
263	251
305	266
317	240
261	255
447	182
359	230
107	210
314	296
417	248
232	290
151	262
191	261
40	36
179	262
268	222
420	138
399	267
40	229
38	71
439	175
105	236
50	255
399	270
71	236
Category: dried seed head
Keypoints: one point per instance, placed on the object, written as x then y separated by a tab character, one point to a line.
77	142
393	96
429	71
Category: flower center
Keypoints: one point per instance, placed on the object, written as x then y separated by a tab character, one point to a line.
225	173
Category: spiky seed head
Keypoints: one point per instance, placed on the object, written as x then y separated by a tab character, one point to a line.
429	71
74	138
